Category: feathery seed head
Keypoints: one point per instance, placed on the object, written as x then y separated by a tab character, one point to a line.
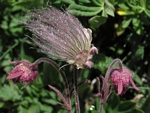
61	36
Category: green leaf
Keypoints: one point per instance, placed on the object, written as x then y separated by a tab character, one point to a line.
83	8
137	26
50	74
84	1
138	111
113	100
103	63
109	8
125	23
97	103
147	12
145	19
21	109
146	104
139	54
68	1
49	101
126	105
9	93
84	90
80	10
1	105
23	51
98	2
97	21
6	53
137	78
46	108
123	6
93	111
104	14
34	108
52	94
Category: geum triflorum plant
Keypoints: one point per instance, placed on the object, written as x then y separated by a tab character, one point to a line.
61	36
120	77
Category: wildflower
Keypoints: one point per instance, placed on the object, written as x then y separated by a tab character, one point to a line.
121	79
61	36
24	71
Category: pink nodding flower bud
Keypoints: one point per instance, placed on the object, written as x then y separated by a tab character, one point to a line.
61	36
24	71
121	79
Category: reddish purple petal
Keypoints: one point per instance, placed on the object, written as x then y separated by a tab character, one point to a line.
122	79
120	87
14	75
132	83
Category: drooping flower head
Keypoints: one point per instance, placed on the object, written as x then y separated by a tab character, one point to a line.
24	71
121	79
61	36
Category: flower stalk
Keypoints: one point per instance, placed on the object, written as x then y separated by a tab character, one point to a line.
65	82
75	85
67	91
110	68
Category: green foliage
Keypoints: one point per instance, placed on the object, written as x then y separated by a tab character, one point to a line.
97	21
81	8
135	11
114	105
100	9
120	30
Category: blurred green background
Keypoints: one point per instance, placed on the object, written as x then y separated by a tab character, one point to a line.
121	29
